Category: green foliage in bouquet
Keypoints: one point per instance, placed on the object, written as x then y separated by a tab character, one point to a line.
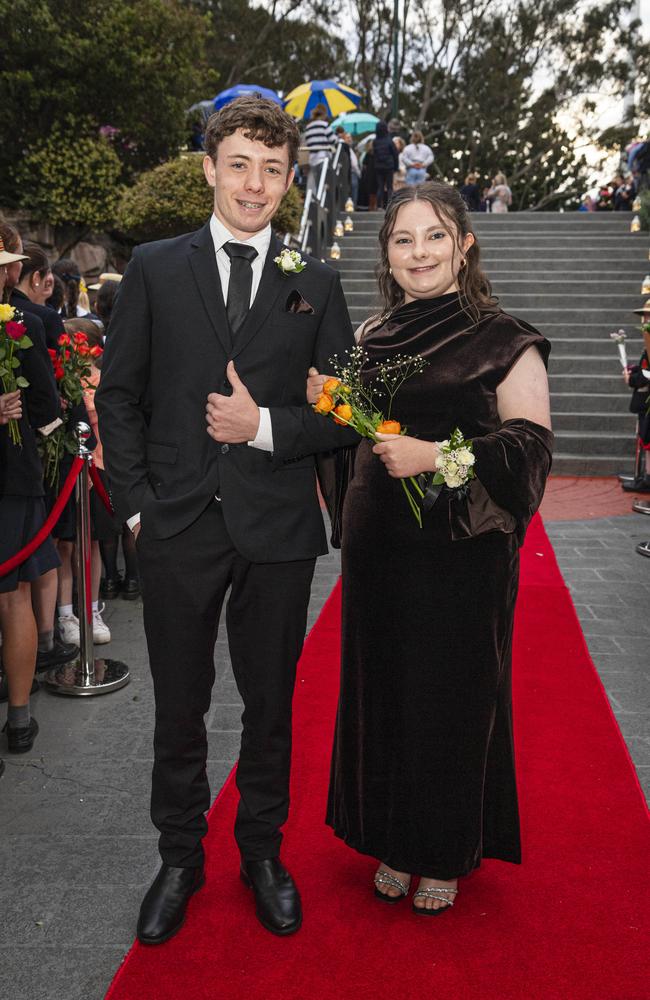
175	198
71	179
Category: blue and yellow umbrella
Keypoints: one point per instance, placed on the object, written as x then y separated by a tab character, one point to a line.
336	97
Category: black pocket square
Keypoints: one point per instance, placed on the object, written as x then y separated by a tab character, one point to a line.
296	304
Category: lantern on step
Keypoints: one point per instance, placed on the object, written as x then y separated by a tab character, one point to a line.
348	225
645	287
335	251
338	229
636	204
635	225
349	205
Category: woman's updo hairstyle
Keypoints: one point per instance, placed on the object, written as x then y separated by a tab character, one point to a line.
37	261
474	287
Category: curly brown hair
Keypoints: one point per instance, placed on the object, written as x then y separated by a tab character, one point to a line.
474	287
260	119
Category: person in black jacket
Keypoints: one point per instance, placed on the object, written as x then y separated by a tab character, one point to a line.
25	279
22	514
27	294
386	163
219	321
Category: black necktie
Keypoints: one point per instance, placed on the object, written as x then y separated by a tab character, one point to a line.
240	283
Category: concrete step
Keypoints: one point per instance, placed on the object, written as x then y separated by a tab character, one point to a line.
587	384
565	464
567	400
595	443
592	346
582	364
619	423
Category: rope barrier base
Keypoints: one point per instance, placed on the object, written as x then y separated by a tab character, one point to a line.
72	678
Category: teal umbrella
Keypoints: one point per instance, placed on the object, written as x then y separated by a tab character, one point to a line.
356	122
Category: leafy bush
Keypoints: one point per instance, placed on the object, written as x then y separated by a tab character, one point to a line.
69	182
175	198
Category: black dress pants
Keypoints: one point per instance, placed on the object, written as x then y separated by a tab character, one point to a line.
384	186
184	582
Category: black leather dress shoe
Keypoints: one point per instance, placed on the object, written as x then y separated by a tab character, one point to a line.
61	652
162	913
277	901
110	587
21	740
131	590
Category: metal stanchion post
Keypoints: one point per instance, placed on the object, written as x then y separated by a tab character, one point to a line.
85	675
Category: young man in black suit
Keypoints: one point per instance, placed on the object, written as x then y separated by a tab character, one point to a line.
209	326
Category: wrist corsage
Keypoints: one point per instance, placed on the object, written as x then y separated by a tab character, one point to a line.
454	470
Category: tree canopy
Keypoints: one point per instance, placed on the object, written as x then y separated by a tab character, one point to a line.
131	65
490	83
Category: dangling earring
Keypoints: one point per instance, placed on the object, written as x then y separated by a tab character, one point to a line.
390	270
463	263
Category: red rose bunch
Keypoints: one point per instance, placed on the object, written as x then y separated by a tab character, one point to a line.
13	337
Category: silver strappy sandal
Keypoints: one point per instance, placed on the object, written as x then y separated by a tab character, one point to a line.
385	878
442	893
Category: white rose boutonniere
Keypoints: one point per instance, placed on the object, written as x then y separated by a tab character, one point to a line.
290	262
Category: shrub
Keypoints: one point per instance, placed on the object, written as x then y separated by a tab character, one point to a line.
74	182
175	198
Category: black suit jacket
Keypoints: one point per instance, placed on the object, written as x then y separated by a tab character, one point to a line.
168	345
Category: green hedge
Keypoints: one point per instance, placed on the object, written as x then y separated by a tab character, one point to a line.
175	198
71	183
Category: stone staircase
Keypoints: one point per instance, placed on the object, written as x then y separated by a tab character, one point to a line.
576	277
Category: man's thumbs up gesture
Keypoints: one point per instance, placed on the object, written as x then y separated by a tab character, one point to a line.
232	419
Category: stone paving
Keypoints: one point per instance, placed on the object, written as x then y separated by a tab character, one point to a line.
77	849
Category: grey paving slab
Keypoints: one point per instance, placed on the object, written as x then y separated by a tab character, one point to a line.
74	822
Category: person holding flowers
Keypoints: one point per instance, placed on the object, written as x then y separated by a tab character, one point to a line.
423	775
29	401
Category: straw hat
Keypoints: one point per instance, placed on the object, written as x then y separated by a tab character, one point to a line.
106	276
645	308
9	258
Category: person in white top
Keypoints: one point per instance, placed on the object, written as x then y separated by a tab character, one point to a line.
500	194
417	157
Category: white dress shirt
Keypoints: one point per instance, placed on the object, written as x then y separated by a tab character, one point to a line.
261	242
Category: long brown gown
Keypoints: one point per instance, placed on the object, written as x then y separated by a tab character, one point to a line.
423	773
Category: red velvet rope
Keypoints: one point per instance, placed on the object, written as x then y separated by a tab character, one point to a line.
101	490
50	521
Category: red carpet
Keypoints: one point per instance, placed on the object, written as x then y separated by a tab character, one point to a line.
568	924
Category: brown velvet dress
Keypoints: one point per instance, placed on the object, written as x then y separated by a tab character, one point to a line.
423	774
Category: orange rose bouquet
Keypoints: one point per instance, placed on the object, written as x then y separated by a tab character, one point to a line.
72	367
366	406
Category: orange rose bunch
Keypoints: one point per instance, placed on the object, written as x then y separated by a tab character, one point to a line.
353	401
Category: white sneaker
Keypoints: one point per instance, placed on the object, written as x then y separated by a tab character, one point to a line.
101	631
69	629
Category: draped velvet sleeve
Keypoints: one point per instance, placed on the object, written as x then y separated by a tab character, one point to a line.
512	466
